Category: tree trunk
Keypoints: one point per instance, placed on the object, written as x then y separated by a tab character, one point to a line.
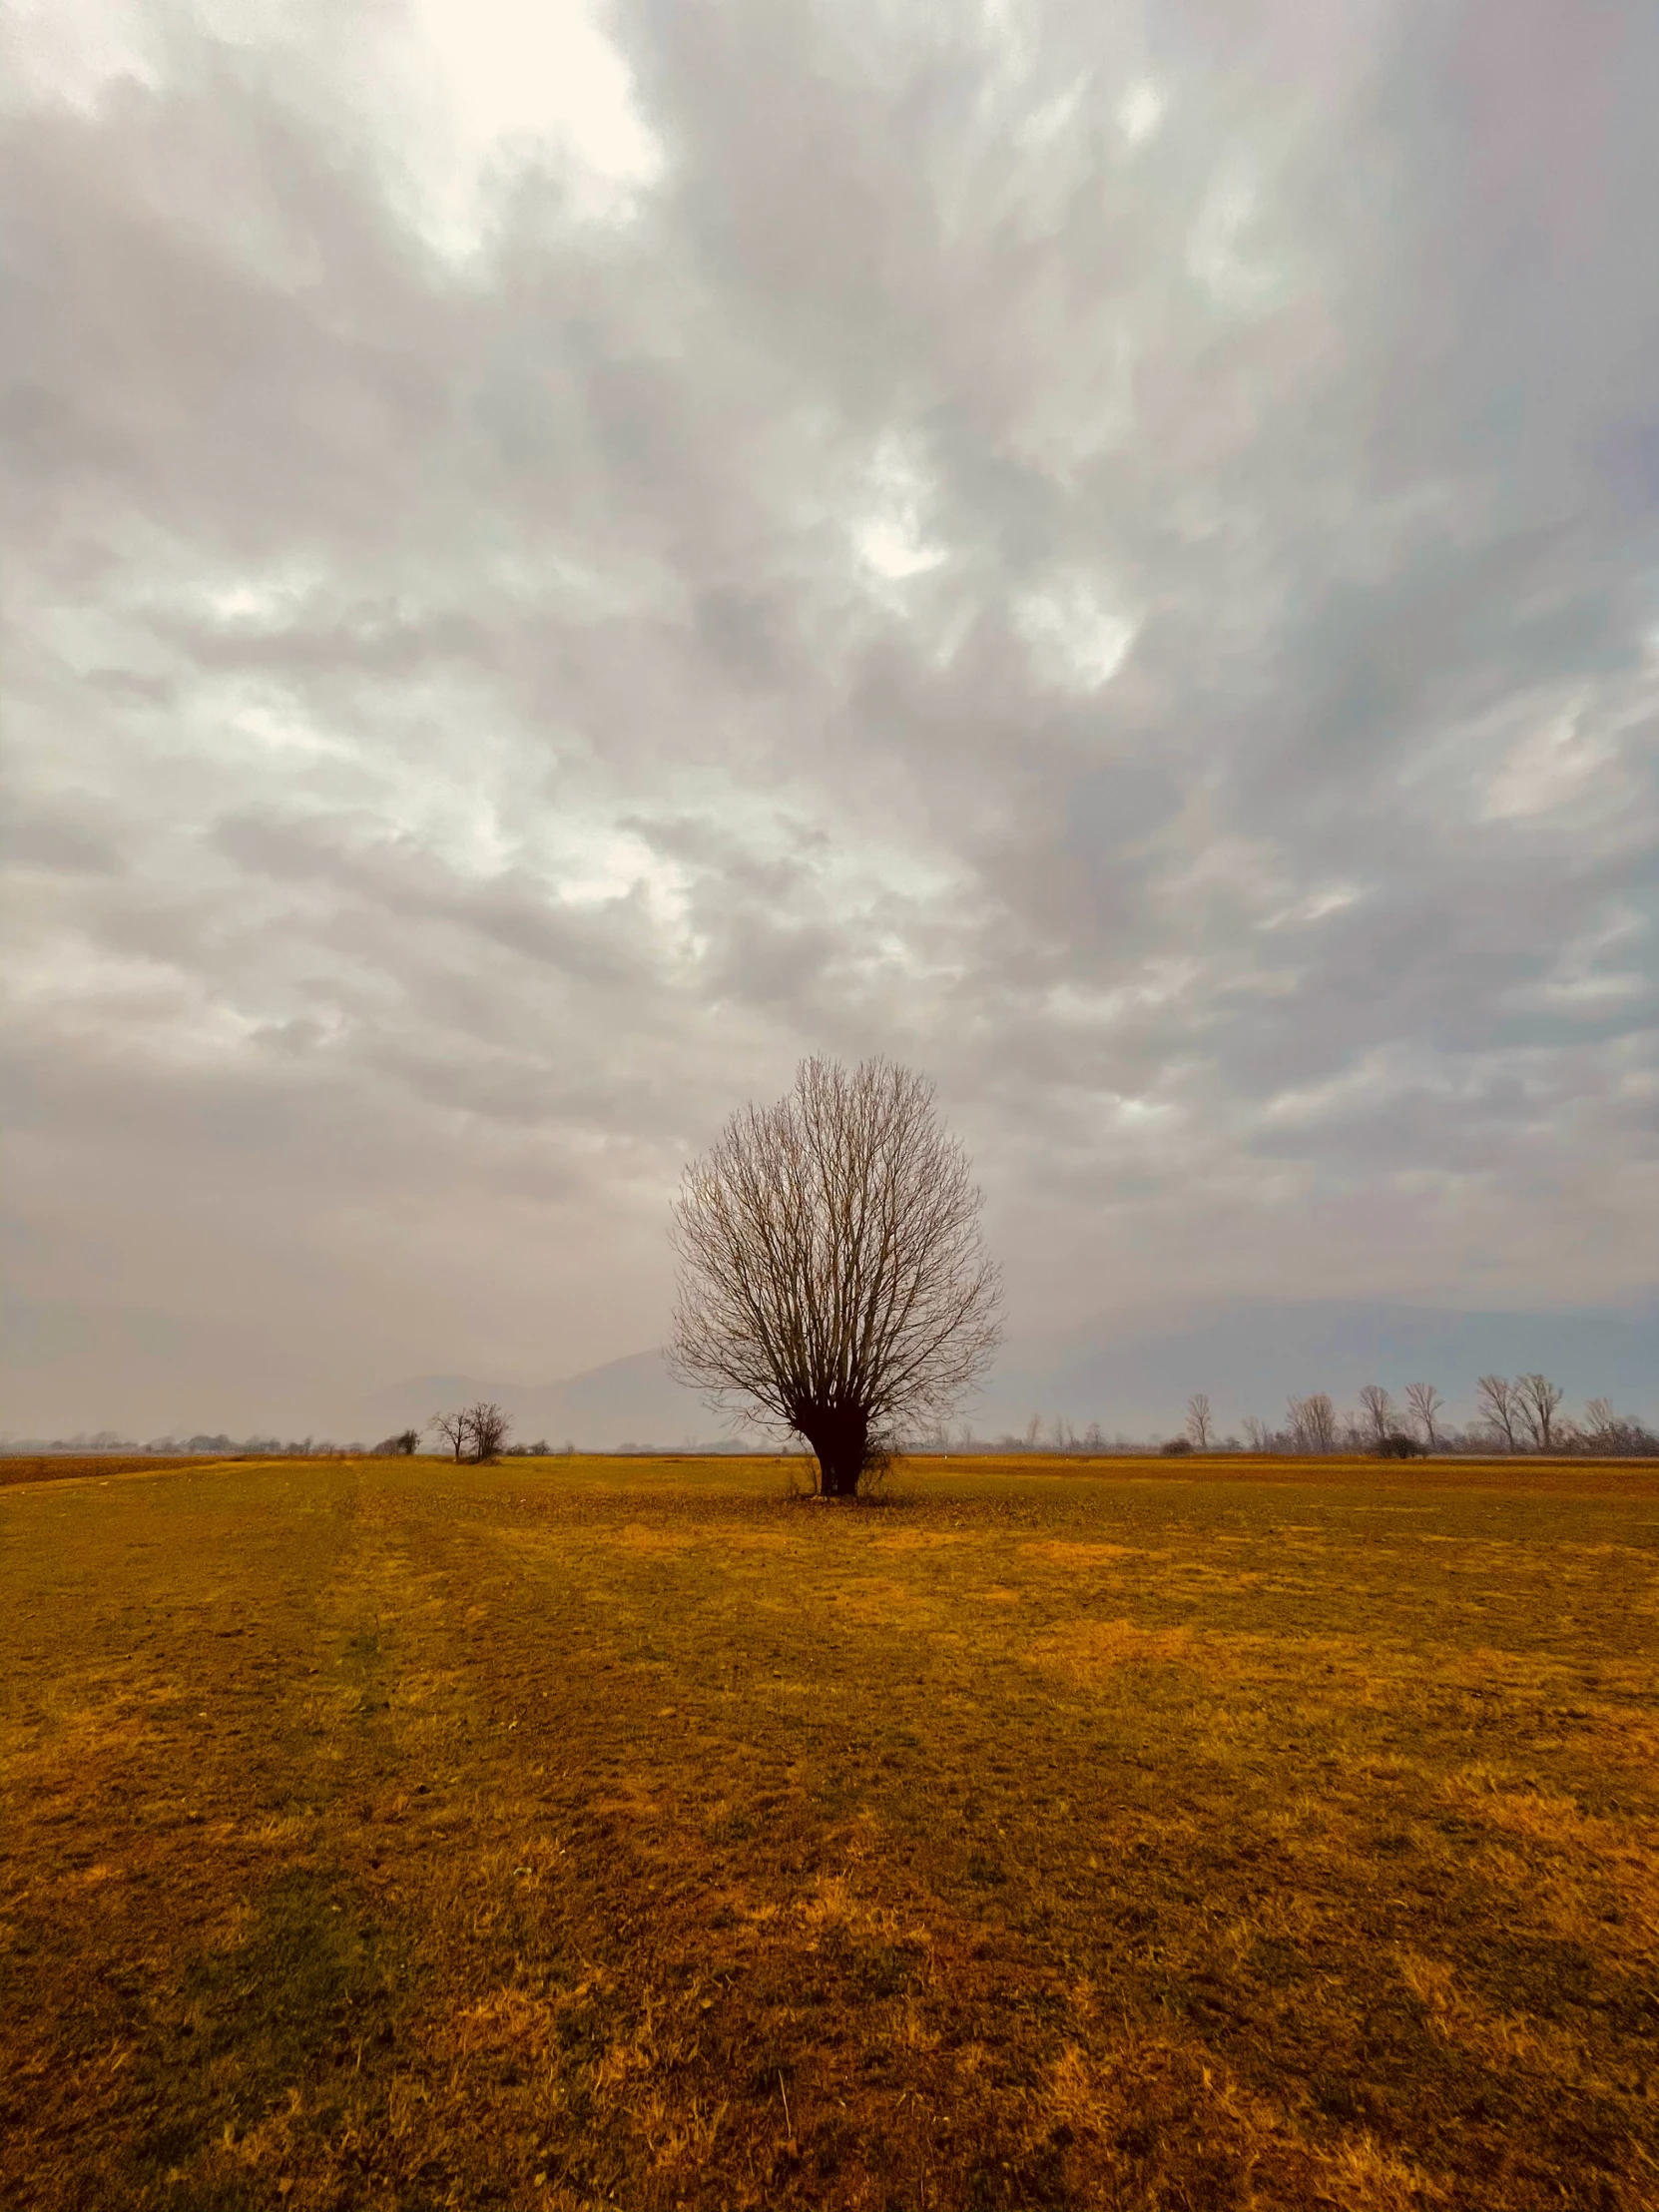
839	1439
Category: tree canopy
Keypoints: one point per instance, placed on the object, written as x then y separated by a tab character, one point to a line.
834	1284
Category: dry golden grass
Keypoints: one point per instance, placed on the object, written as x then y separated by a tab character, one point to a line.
585	1832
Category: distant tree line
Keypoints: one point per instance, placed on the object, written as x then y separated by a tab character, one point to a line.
1523	1413
1513	1415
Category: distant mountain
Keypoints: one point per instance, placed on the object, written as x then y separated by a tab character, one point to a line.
1249	1358
637	1400
633	1400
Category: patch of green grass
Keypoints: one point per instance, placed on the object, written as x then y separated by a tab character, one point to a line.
586	1833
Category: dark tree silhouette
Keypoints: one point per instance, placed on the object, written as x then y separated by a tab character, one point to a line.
477	1431
833	1282
1398	1445
1378	1409
452	1429
1538	1399
1499	1407
487	1427
1313	1422
1426	1402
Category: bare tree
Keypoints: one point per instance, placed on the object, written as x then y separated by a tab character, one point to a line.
833	1282
1377	1411
478	1431
1321	1422
1197	1420
1499	1407
487	1429
455	1430
1424	1402
1538	1398
407	1441
1313	1422
1257	1435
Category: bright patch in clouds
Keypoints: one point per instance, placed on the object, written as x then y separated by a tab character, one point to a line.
1314	908
1548	768
454	93
1224	246
507	78
73	50
891	538
893	551
1140	112
1078	639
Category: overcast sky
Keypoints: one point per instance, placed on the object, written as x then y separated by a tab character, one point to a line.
559	558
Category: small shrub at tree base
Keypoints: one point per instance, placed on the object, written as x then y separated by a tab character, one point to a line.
1178	1447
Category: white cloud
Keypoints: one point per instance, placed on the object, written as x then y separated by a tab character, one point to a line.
74	51
496	81
890	534
454	95
1140	112
1549	767
1078	639
1225	246
1334	898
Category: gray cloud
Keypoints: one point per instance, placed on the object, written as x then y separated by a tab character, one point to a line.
1106	555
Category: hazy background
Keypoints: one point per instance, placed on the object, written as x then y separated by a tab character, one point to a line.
558	558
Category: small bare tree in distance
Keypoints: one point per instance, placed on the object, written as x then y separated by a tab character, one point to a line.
1379	1410
487	1427
1424	1402
1538	1398
453	1430
1313	1422
1499	1407
833	1282
1197	1420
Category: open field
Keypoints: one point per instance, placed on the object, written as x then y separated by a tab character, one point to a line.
581	1832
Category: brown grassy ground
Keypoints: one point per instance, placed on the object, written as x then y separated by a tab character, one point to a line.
581	1833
